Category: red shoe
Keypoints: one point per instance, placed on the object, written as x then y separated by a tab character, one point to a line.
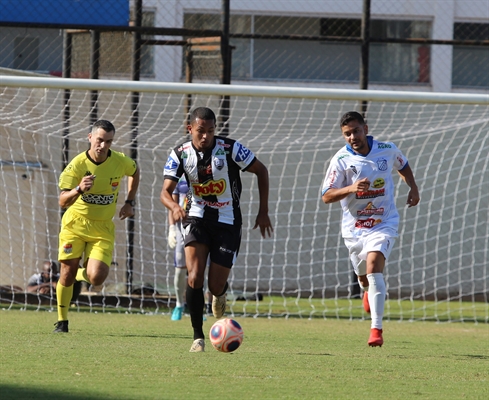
366	306
375	338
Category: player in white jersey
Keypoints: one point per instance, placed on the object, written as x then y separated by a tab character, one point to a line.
360	178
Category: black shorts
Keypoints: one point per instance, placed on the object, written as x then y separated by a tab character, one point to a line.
223	240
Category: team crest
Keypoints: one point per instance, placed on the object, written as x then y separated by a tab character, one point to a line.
68	248
219	163
114	186
382	164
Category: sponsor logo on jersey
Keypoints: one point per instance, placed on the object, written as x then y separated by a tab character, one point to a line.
204	170
343	156
101	199
214	204
209	188
370	194
170	164
220	152
384	146
242	153
367	223
68	248
401	161
382	164
378	183
370	209
332	177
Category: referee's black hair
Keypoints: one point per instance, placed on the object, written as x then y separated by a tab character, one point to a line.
107	126
204	113
351	116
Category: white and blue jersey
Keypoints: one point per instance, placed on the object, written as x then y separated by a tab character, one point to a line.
213	178
373	210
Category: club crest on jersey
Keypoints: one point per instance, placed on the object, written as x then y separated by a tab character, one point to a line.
68	248
114	185
219	163
209	188
242	153
382	164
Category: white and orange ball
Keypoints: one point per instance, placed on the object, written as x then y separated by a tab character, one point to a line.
226	335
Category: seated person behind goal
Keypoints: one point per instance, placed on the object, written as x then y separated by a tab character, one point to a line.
44	282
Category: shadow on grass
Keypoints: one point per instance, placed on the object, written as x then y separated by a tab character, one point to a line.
10	392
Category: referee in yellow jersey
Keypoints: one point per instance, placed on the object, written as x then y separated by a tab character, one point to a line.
90	187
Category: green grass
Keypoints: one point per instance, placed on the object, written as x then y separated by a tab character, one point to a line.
141	356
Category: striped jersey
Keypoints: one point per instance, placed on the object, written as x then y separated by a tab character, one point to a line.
99	203
213	178
374	209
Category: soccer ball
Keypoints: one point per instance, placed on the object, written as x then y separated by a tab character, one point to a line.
226	335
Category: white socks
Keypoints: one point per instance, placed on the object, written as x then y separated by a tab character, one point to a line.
180	282
376	298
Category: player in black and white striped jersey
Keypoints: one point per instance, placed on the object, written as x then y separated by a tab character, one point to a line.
212	220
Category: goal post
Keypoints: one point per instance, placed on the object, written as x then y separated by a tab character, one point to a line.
441	256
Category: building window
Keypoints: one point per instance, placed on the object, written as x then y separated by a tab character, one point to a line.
470	63
312	60
399	62
26	53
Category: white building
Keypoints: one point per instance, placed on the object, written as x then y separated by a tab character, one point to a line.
439	68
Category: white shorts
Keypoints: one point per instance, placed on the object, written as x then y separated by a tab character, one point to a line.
360	246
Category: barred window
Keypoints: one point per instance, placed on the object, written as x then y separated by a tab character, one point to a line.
470	63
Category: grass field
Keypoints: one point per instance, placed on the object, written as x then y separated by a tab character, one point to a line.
145	356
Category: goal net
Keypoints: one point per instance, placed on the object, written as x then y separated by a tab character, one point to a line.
438	269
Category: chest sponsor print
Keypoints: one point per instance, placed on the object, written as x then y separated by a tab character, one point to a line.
210	188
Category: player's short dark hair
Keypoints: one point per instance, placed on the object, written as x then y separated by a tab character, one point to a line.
351	116
204	113
103	124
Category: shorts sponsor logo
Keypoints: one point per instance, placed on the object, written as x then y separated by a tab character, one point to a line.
226	250
102	199
68	248
209	188
367	223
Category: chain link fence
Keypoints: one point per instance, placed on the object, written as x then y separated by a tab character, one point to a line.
429	45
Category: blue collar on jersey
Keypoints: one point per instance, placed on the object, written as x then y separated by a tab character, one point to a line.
370	140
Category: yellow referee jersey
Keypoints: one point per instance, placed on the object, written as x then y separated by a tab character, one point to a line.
99	203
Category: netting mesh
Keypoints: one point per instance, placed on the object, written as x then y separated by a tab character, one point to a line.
442	250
